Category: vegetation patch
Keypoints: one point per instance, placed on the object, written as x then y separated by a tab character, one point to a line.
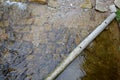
118	15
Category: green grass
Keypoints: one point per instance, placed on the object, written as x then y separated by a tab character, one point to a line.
118	15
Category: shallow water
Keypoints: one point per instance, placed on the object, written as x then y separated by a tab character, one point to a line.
33	48
35	40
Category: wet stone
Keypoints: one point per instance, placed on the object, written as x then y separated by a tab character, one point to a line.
14	45
22	29
30	57
40	50
86	5
101	6
3	34
47	27
53	3
50	48
4	24
26	48
38	11
17	60
18	36
11	36
27	37
61	49
51	36
117	3
60	34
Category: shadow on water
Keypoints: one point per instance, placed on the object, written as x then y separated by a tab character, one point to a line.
103	59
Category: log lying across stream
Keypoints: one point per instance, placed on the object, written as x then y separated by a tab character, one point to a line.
80	47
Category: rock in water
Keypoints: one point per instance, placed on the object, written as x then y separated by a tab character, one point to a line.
53	3
21	5
39	1
117	3
87	4
100	6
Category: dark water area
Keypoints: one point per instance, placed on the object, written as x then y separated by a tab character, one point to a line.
102	60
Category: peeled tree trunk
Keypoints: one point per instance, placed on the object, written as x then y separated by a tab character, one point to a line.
80	47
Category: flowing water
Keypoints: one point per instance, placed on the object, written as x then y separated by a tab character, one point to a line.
33	42
35	38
